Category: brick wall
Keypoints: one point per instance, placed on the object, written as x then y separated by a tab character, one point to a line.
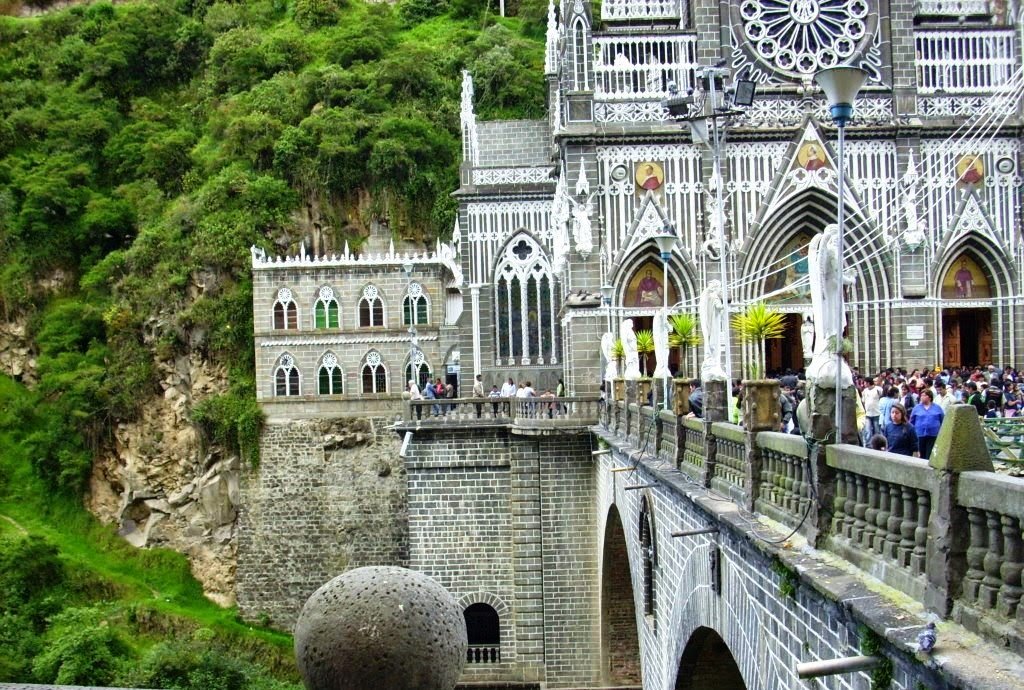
328	496
511	143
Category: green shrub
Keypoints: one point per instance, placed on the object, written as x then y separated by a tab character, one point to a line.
81	649
314	14
416	11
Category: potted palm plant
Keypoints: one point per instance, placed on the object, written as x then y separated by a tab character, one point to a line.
756	324
644	348
684	333
619	355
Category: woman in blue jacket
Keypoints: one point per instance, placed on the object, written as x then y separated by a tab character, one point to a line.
900	436
926	418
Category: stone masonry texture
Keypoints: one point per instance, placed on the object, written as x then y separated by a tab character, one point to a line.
328	496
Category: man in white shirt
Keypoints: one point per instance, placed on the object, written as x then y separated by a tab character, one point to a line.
870	397
943	398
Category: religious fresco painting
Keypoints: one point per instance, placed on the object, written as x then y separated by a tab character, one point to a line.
645	289
965	280
650	176
811	157
970	171
787	279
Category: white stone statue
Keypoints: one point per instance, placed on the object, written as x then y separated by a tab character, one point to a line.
632	358
661	370
582	234
913	236
807	337
826	276
712	312
611	367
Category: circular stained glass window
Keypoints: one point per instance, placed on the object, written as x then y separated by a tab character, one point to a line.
800	37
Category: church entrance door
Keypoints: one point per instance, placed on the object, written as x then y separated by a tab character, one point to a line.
966	337
785	352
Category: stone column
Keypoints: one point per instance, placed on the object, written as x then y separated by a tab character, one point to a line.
716	409
960	447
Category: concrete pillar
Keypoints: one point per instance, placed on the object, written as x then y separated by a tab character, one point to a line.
960	447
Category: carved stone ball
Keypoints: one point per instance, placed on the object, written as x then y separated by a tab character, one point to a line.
381	628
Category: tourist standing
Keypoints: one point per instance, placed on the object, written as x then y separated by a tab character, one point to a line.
900	436
885	406
414	395
942	397
430	393
926	417
494	395
478	392
870	397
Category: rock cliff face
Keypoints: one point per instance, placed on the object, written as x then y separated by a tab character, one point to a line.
162	487
16	357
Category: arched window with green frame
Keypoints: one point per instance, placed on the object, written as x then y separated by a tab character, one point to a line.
325	309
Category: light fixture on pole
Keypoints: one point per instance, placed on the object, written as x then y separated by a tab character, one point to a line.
701	108
841	85
414	342
666	241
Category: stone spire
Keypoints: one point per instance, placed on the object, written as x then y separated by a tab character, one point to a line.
551	52
470	148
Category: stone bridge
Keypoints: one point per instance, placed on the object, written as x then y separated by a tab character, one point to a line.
646	549
617	545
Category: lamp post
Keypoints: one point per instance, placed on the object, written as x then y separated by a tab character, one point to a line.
696	109
666	241
841	85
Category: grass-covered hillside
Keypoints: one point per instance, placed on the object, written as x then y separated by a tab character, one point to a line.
144	146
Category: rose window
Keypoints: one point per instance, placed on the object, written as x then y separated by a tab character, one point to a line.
800	37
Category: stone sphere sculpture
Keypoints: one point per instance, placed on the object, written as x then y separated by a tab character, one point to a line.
381	628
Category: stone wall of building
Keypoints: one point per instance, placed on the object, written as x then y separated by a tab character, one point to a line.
508	521
328	496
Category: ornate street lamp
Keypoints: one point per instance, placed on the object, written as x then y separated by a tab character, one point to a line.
841	85
666	241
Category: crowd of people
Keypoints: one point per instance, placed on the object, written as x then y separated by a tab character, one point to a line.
439	390
902	411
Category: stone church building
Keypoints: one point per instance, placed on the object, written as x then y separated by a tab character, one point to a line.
551	211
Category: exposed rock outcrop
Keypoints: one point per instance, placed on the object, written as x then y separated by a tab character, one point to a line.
163	488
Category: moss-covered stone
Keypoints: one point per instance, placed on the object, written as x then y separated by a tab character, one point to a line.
960	446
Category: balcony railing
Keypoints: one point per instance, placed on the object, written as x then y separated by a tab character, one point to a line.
612	10
952	8
523	413
641	67
961	62
483	654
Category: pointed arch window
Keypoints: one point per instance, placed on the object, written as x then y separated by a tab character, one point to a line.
286	312
415	309
525	305
647	553
371	308
325	309
375	375
286	377
579	55
417	369
330	377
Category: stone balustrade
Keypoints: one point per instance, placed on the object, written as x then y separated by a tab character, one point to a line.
995	552
941	531
642	9
524	413
958	61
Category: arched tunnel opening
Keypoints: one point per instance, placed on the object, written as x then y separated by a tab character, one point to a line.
620	642
707	664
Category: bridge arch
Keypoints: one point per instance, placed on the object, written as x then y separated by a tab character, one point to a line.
707	663
620	642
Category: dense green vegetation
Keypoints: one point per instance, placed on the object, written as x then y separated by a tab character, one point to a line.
78	605
143	148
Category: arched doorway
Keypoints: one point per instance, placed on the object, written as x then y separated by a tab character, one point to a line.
966	332
644	290
620	642
707	664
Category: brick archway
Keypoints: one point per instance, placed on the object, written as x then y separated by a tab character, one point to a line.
620	643
708	664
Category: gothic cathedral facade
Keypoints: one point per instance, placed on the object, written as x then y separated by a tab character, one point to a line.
557	215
